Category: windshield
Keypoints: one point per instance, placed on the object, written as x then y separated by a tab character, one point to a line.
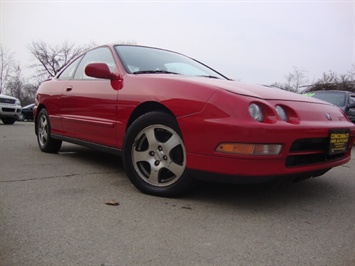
143	60
334	97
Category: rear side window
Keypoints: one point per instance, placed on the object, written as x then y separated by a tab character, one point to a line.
69	72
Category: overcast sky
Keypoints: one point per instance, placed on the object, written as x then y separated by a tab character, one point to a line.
252	41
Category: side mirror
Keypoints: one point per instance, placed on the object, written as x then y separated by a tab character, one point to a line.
100	71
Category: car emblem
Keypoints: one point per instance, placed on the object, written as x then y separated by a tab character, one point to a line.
328	116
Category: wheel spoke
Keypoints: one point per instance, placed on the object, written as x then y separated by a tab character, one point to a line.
44	122
171	143
141	156
44	136
41	136
154	175
150	135
176	169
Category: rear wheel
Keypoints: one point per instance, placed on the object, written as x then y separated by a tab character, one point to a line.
154	155
45	142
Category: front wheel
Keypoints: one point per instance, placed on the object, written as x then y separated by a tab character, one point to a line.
43	130
154	155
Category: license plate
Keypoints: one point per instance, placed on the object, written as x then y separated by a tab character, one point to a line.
338	141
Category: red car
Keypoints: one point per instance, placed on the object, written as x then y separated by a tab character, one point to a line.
173	119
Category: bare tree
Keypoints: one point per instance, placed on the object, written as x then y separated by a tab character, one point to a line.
29	93
15	84
294	80
334	81
53	58
20	88
7	66
130	42
351	73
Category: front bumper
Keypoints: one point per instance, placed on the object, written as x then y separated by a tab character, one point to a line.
305	143
10	111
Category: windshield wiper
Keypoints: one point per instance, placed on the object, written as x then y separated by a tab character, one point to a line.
154	72
208	76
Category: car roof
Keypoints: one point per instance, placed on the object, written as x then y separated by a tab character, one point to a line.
332	91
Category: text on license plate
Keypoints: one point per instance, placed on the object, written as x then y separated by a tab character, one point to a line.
338	141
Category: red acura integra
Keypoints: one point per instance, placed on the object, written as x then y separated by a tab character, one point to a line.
173	119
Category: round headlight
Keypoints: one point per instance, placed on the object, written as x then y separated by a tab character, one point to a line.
256	112
281	112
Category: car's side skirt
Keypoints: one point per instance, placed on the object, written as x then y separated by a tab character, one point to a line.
91	145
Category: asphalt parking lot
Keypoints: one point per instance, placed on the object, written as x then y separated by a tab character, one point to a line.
54	211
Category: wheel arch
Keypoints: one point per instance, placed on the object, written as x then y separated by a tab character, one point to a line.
147	107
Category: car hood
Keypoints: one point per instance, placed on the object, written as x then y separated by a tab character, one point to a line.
250	90
255	91
7	97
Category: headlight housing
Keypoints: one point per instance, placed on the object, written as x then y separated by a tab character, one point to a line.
256	112
281	112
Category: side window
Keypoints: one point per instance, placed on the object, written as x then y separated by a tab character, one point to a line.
99	55
68	73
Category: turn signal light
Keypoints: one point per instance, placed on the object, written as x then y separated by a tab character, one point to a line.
249	149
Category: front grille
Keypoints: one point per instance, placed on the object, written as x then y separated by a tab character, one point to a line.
310	151
4	100
8	110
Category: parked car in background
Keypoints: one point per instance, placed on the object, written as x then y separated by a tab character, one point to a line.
174	119
345	100
10	109
27	112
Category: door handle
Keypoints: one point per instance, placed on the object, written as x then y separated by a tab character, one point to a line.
69	88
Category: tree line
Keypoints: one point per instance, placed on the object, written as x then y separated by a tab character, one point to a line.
297	81
50	59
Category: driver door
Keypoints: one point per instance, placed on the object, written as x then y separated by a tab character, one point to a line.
88	105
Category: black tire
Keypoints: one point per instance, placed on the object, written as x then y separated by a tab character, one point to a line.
154	156
43	130
8	120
